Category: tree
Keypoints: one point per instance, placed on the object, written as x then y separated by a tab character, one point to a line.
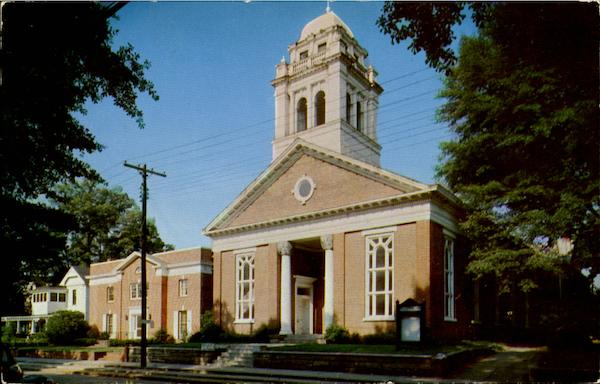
108	223
522	102
54	58
64	327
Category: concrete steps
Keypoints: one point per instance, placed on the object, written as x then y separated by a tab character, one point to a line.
304	339
237	355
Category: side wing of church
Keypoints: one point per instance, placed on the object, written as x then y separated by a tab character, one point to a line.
324	235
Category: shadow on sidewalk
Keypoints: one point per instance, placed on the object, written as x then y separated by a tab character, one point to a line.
510	365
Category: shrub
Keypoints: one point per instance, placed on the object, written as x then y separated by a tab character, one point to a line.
162	337
337	334
123	342
264	333
93	332
209	331
103	336
9	332
84	341
39	338
64	327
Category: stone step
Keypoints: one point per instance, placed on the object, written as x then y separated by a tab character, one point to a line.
304	339
240	355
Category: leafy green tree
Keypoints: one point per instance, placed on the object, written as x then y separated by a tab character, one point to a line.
54	58
64	327
522	100
108	223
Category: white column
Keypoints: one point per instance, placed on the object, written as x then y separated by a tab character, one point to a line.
327	244
33	330
284	248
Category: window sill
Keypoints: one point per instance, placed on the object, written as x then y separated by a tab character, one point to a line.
379	318
244	321
451	319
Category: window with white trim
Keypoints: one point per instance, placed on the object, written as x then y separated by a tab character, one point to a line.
449	313
137	325
110	294
379	280
244	296
183	287
182	325
135	290
108	324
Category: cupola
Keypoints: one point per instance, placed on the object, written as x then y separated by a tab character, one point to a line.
326	94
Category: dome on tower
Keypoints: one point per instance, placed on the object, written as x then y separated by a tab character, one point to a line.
325	21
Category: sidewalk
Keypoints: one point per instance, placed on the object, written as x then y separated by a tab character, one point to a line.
510	365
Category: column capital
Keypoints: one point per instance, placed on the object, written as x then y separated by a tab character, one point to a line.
284	247
327	242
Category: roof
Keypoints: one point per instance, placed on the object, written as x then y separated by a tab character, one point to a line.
325	21
183	255
165	259
80	270
133	256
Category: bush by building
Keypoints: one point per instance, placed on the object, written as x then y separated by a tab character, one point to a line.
64	327
162	337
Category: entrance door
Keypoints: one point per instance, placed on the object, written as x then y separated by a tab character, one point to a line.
303	315
135	323
304	305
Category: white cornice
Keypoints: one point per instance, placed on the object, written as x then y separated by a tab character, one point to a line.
350	221
109	278
186	269
396	200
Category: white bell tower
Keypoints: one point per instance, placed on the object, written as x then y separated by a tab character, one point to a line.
325	94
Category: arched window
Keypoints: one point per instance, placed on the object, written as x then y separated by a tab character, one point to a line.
320	108
301	115
359	116
348	107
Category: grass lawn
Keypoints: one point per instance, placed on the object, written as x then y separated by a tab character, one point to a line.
412	349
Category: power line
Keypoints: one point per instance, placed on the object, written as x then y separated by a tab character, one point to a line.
204	139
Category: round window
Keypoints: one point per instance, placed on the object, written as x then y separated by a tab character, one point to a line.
304	189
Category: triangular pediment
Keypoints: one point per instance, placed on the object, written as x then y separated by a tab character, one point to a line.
337	181
133	256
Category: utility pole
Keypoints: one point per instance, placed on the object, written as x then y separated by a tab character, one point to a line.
144	171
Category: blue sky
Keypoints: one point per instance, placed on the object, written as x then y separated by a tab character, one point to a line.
211	130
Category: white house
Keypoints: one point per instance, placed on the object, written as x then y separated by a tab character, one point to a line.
71	294
77	287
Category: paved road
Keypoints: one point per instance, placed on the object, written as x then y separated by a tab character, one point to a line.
67	378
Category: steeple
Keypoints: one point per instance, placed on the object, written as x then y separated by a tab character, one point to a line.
326	95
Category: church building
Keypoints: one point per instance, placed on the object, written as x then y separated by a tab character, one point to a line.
324	235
